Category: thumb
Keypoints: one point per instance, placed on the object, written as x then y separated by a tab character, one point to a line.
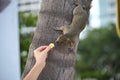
47	49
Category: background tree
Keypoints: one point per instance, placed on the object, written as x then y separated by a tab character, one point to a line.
99	54
54	13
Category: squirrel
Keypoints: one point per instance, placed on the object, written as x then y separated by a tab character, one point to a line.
70	32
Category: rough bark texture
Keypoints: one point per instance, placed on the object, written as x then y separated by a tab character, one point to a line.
61	60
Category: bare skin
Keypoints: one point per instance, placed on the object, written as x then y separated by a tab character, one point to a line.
40	55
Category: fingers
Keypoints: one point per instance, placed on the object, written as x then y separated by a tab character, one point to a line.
44	49
51	45
47	49
41	48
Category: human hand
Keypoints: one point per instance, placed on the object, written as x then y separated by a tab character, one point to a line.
40	54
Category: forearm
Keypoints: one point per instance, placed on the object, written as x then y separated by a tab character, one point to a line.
34	72
40	55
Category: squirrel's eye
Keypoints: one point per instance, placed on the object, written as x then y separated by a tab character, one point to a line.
83	7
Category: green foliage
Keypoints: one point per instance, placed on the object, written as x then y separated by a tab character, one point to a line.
99	54
25	20
25	40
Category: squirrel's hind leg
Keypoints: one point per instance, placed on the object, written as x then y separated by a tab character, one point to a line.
58	28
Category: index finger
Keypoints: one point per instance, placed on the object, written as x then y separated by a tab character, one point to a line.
47	49
41	48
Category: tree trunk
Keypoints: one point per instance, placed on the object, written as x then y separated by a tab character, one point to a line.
61	59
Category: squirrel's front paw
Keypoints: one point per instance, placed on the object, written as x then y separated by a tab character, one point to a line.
63	39
59	40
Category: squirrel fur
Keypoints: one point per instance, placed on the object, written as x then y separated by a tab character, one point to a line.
70	32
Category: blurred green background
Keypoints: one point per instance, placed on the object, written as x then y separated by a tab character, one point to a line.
98	53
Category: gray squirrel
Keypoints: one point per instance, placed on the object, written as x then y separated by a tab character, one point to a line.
70	32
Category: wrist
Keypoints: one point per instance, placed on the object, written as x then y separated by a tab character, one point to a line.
39	64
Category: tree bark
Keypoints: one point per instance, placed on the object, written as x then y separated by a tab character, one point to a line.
61	60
